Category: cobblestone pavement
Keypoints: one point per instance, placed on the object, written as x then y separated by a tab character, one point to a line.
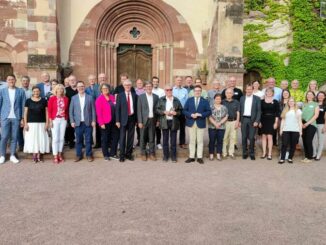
228	202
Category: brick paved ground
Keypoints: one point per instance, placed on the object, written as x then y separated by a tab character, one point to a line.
229	202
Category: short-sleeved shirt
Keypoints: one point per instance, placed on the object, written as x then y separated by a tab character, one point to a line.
181	94
321	117
308	111
218	115
233	107
237	94
36	110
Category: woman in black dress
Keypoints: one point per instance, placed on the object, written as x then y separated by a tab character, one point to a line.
270	112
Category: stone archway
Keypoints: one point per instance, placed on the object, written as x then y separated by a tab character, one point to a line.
110	24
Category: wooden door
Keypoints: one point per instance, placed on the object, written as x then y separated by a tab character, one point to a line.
250	77
5	70
136	61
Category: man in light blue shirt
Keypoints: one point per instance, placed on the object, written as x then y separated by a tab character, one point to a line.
277	91
182	95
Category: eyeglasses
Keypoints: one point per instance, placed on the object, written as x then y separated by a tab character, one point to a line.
167	90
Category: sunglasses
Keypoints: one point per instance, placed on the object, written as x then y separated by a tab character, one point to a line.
168	90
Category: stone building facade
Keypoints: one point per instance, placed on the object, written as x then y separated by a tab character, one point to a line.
143	38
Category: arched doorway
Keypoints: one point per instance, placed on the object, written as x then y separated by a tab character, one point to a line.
147	35
251	76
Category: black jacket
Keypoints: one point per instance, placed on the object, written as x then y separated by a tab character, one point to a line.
160	109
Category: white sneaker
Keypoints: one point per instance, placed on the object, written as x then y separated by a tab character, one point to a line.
2	159
159	146
13	159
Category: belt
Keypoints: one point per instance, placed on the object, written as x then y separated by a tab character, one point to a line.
231	119
247	116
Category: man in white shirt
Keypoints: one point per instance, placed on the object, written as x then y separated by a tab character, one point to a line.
250	112
160	93
147	121
83	120
12	103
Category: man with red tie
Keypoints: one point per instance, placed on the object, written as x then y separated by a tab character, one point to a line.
126	118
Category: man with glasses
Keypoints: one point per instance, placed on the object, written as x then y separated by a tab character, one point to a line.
126	118
196	110
83	119
182	95
169	109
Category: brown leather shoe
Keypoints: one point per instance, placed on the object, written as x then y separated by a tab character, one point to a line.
77	159
152	157
90	159
143	157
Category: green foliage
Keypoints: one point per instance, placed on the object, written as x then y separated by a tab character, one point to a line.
307	60
307	65
266	63
309	29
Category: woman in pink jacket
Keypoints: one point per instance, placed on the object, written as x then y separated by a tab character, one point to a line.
105	112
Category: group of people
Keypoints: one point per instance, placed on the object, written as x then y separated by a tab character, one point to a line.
70	112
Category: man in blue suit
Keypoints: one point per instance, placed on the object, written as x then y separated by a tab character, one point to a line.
12	103
126	118
45	85
196	110
83	119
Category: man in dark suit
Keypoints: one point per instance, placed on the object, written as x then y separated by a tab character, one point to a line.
83	119
250	112
147	120
126	117
196	110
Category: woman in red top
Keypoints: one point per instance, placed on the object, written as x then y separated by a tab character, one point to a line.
58	114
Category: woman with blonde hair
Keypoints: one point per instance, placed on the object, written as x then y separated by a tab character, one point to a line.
58	114
290	130
313	87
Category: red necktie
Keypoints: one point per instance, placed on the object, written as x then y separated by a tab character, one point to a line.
128	104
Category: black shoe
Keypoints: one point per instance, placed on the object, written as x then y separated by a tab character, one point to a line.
97	146
244	156
280	161
253	158
200	161
72	145
121	159
130	158
115	157
165	159
189	160
263	157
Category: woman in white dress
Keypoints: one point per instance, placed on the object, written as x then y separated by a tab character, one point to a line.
36	125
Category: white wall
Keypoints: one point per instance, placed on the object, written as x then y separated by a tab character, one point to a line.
198	14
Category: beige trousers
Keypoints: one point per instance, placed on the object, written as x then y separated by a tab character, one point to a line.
196	136
230	137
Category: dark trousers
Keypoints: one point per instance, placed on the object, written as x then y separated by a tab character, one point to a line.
109	138
158	135
129	132
308	134
169	134
70	134
138	134
216	137
98	135
289	142
248	133
83	131
147	135
114	132
182	134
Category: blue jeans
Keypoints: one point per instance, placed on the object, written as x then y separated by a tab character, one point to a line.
9	129
216	137
81	131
